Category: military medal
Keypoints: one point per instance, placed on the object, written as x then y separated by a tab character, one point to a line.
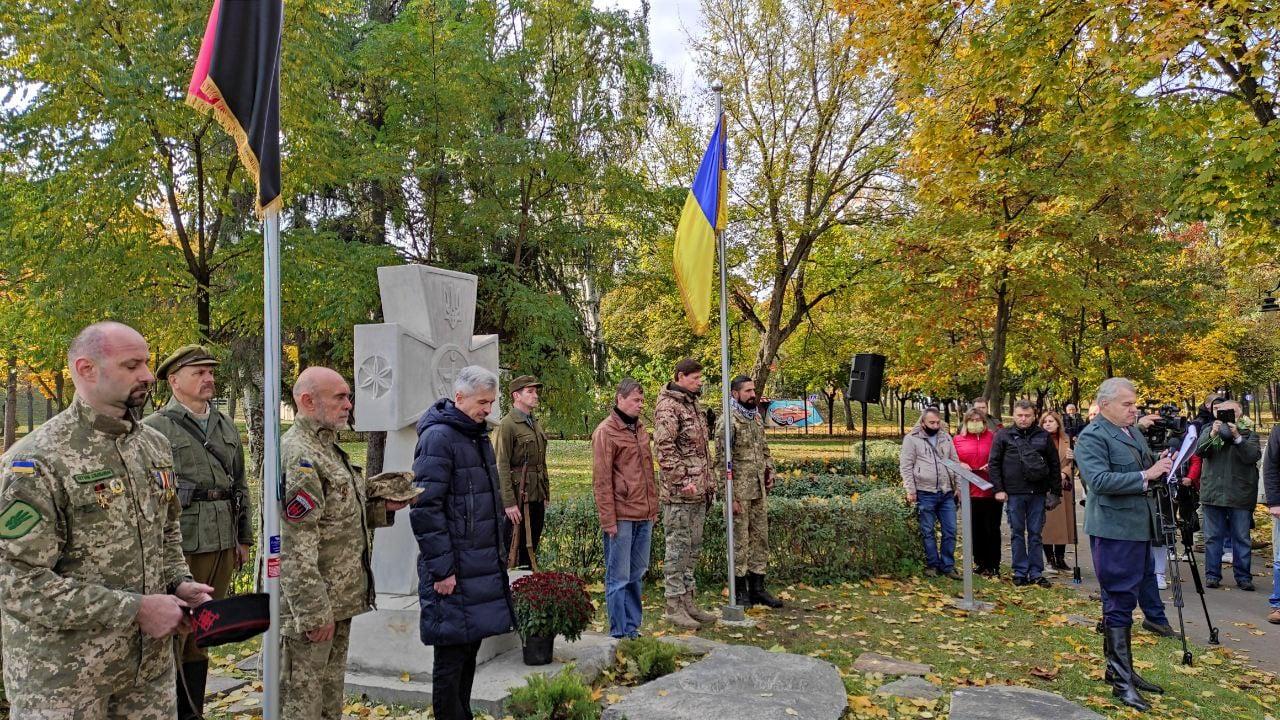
100	494
164	479
117	486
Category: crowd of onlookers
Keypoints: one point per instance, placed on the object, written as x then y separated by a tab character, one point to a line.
1025	472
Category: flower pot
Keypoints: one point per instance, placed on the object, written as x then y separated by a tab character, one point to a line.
537	650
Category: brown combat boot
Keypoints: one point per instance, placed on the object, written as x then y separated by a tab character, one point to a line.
696	612
678	616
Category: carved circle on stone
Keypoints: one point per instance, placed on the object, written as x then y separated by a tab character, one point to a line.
448	360
375	376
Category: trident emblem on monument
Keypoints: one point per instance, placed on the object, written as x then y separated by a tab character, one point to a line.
452	305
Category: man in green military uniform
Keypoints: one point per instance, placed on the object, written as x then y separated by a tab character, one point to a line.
326	576
752	479
521	449
92	580
217	530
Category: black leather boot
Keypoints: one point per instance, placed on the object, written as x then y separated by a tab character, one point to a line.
742	591
759	595
1140	682
191	693
1120	668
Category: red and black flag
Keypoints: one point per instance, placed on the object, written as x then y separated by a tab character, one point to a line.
237	78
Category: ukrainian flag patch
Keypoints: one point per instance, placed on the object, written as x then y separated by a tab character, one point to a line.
23	467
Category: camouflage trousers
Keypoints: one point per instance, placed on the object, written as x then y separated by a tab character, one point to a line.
682	523
149	700
312	675
751	537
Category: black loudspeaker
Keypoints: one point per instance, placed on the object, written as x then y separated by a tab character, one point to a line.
865	378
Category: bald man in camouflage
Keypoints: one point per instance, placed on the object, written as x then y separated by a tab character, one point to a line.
92	578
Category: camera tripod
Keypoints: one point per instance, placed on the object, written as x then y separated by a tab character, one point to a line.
1164	494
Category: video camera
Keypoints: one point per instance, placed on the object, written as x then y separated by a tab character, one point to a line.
1170	424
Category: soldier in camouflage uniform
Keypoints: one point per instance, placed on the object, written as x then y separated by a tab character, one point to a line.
325	573
521	449
685	491
91	570
217	531
752	479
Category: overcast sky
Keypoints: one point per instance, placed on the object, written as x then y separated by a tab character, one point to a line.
671	22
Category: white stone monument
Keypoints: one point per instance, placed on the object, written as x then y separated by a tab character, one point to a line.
405	365
402	367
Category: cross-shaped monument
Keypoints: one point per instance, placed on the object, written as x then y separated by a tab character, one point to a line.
401	368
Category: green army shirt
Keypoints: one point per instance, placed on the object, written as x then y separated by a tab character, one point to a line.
519	442
89	525
208	525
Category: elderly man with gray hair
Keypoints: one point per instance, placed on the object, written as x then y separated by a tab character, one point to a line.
1118	467
458	522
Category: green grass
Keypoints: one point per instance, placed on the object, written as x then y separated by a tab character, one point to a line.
569	461
1026	641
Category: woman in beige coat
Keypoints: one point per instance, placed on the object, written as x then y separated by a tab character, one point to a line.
1060	522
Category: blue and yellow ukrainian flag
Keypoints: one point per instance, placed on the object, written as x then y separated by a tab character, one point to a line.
703	216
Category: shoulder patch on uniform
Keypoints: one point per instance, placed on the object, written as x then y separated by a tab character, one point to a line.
18	519
95	476
23	467
300	506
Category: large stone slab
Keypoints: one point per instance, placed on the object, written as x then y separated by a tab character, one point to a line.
1005	702
870	662
911	687
494	678
402	366
739	681
387	641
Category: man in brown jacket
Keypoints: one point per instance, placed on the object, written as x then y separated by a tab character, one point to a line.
627	502
687	488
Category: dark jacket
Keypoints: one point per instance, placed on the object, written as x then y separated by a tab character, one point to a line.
1229	475
1271	469
1073	425
1012	466
458	524
1111	463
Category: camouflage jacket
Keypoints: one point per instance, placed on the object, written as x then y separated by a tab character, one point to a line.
520	441
751	459
89	526
326	554
680	437
208	525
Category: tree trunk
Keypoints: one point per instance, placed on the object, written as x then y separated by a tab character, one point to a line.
60	388
999	341
848	414
375	452
11	403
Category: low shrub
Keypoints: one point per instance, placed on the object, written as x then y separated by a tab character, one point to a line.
644	659
823	486
562	696
811	540
882	469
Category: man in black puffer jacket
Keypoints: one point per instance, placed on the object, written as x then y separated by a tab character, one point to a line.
1024	467
462	571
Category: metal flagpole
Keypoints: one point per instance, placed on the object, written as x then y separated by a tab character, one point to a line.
732	611
270	547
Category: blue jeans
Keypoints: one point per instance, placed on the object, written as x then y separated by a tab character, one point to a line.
938	509
1275	563
1026	520
626	558
1219	523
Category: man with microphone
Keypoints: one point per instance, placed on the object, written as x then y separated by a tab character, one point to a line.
1117	467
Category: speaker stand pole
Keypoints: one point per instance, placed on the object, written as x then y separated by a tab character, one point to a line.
864	437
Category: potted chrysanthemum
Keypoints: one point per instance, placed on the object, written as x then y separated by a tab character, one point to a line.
548	604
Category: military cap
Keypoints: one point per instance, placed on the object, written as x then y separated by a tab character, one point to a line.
525	381
219	622
184	356
396	486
